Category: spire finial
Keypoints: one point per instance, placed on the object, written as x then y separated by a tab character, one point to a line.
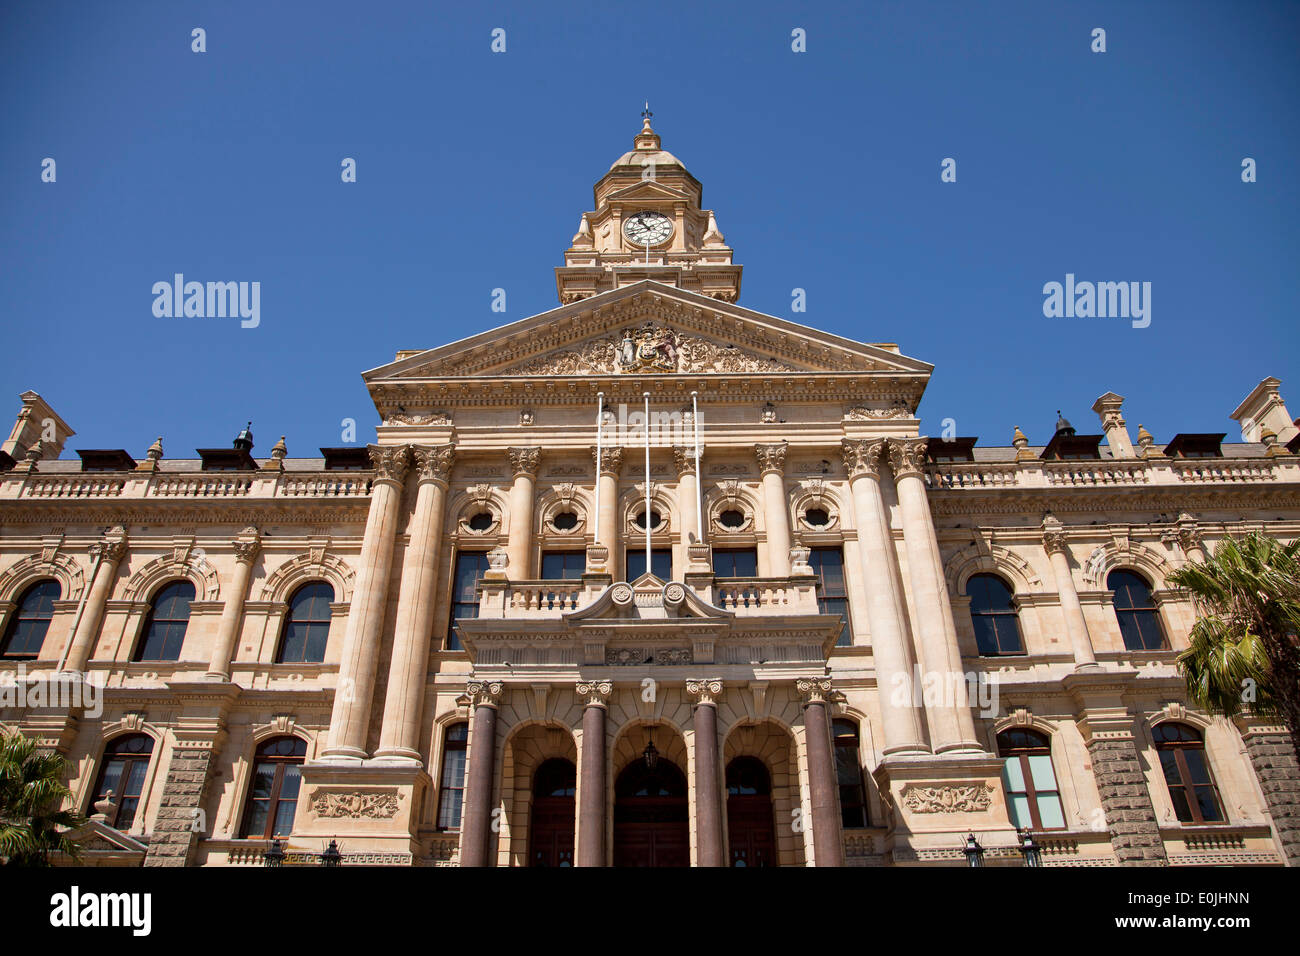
645	113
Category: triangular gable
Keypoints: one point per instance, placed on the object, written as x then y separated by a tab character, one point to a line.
649	190
672	331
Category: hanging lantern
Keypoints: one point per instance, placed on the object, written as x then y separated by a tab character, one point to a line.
974	852
650	755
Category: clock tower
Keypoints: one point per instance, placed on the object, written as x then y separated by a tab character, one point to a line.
648	224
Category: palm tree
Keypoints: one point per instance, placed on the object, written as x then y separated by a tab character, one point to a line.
32	789
1245	653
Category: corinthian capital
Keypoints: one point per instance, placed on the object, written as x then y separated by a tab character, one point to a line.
110	548
1189	533
485	693
862	456
1054	539
907	456
247	546
433	462
594	693
611	460
770	457
813	690
389	461
704	691
684	457
524	461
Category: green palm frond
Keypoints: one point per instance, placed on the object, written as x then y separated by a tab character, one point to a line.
33	791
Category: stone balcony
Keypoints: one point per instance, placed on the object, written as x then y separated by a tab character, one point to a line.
269	484
1111	473
738	626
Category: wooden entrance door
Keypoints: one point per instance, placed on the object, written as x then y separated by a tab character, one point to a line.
751	834
650	816
550	830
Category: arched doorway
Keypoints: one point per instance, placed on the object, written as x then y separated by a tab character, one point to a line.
650	816
550	831
750	831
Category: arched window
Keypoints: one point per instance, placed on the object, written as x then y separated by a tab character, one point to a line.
273	792
1032	795
451	783
307	627
848	770
1187	773
125	763
30	621
164	627
555	778
746	776
1139	621
993	612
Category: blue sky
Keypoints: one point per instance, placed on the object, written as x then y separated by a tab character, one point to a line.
473	169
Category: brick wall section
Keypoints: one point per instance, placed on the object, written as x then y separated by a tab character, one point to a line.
1130	817
1274	760
173	841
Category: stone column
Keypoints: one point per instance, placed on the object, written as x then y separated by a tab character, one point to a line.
476	828
108	552
688	496
828	847
1273	759
400	732
776	513
899	715
350	719
595	785
1076	625
519	544
951	725
607	536
708	777
246	547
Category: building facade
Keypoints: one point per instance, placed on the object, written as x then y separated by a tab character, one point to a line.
649	579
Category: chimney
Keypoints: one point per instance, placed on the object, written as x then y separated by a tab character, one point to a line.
36	422
1264	408
1112	423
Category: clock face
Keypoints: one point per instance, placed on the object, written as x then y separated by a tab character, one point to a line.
647	228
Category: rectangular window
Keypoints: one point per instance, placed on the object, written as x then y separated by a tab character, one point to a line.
1032	798
470	566
735	563
451	798
832	589
563	565
661	564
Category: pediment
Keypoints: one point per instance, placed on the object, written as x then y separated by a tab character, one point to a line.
648	190
645	329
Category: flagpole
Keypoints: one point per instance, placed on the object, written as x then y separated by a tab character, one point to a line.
699	487
600	416
646	396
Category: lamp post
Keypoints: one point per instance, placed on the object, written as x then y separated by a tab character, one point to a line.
1030	850
974	852
275	855
331	855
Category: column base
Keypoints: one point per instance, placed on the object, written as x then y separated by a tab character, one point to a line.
343	757
396	757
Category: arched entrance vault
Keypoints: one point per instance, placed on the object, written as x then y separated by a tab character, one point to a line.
531	748
772	747
651	803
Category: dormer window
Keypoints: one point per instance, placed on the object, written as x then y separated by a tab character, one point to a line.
115	459
944	451
346	459
1192	445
